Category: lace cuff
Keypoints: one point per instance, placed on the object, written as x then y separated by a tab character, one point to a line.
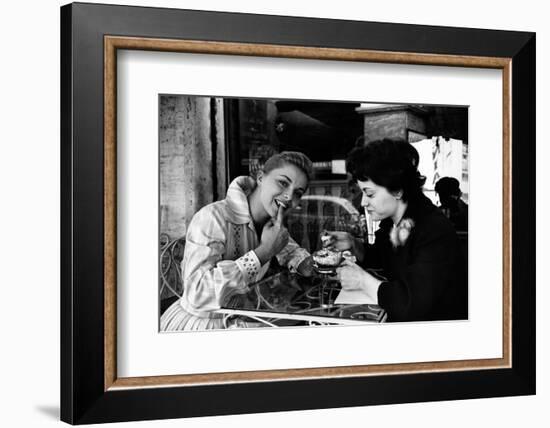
249	265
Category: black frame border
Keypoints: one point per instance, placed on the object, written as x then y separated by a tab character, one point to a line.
83	399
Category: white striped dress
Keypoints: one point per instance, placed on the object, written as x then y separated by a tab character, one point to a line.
219	260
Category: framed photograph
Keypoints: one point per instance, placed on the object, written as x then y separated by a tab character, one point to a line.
272	213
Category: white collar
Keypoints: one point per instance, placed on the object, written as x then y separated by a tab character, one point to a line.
237	199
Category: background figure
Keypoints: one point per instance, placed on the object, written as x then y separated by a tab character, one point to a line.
454	208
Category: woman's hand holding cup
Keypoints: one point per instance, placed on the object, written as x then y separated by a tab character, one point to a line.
343	241
340	241
353	277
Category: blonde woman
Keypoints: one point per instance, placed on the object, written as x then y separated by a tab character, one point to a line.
229	243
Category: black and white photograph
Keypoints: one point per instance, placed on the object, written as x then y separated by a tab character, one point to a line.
269	214
307	213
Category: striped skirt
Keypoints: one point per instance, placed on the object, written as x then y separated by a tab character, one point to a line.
175	318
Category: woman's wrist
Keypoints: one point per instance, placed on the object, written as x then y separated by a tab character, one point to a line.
263	254
373	284
305	268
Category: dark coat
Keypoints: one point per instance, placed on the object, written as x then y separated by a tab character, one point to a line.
427	277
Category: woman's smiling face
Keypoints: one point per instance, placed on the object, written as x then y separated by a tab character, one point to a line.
281	186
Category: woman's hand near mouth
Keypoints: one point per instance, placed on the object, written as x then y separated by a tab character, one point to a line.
280	204
274	238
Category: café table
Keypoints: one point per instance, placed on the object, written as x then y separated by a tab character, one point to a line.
285	299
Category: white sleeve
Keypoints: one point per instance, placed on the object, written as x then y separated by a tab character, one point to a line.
207	278
292	255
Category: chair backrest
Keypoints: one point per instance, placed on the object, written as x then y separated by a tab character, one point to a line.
171	255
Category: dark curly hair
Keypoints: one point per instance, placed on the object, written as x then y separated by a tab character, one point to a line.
392	164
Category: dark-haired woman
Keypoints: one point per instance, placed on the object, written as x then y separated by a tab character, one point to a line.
416	245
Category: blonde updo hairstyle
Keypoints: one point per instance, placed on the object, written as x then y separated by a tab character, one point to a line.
298	159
